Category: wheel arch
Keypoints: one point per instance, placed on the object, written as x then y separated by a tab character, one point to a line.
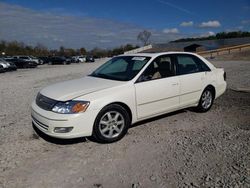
125	106
212	88
96	135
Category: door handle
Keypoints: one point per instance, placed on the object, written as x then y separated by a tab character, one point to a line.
175	84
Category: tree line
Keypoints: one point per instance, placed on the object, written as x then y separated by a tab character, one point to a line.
20	48
39	50
221	35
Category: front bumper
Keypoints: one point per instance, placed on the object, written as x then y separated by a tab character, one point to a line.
47	121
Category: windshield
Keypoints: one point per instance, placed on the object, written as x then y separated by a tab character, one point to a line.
121	68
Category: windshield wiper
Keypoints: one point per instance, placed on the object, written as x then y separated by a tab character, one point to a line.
102	76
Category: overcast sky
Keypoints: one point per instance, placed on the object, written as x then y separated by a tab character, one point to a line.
110	23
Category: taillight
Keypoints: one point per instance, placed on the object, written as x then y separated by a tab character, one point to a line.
225	76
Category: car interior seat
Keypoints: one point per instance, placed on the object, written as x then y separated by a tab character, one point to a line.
165	69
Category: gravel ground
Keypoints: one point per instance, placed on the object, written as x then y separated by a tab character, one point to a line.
181	149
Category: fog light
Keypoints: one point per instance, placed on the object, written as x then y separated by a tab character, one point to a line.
63	129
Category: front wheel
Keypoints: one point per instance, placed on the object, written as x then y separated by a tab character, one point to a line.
111	124
206	100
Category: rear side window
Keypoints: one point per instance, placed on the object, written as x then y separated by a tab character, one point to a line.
203	65
187	65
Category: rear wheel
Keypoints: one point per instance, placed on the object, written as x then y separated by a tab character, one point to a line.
206	100
111	124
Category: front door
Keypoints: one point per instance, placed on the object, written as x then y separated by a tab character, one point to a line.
157	89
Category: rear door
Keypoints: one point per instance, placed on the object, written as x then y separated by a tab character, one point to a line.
192	78
157	89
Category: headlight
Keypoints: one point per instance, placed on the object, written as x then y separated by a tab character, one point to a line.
70	107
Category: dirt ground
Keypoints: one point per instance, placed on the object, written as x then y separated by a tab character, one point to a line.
181	149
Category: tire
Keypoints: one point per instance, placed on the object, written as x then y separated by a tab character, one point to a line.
206	100
111	124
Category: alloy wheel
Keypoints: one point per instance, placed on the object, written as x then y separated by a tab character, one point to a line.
206	99
111	124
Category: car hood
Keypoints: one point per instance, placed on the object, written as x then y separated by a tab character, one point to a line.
71	89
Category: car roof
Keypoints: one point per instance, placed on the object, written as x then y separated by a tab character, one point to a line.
157	54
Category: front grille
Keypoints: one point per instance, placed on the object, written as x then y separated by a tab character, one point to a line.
46	127
45	102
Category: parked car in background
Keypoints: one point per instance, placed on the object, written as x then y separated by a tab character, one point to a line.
82	58
5	66
27	58
1	69
8	66
37	60
69	60
20	63
79	59
56	60
90	58
44	59
125	90
74	59
12	67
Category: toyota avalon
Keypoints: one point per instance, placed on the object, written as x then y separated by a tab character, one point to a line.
125	90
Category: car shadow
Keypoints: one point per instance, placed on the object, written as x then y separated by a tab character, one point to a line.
57	140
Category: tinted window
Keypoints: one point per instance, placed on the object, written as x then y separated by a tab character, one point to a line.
161	67
186	64
203	65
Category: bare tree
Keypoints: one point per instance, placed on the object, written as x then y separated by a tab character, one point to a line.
144	37
61	50
82	51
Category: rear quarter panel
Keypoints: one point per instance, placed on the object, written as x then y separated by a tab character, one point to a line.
221	83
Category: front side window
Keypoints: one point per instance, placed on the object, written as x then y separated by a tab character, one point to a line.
161	67
186	64
121	68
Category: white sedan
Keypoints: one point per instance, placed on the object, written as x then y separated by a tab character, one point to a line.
125	90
